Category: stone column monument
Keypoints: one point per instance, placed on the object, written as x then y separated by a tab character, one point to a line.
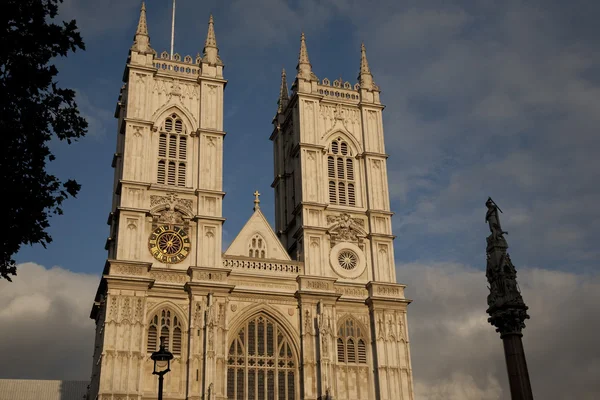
506	307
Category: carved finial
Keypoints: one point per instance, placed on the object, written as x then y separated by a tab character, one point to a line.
141	40
304	67
256	200
210	44
365	77
284	96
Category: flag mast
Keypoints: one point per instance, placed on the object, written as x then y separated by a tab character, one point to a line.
173	30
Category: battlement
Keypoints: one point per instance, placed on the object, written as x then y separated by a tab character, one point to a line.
187	66
338	90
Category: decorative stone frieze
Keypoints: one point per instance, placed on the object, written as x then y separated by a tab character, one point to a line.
349	291
319	284
386	290
169	276
128	269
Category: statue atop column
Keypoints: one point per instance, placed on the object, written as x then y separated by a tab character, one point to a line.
506	307
493	219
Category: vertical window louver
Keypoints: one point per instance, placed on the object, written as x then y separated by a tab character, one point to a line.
176	348
342	193
362	352
349	169
351	196
351	351
171	173
162	145
181	174
182	148
330	167
332	195
340	168
340	350
161	172
340	172
351	344
152	343
169	328
172	152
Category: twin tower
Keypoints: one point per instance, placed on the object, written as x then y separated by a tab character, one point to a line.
310	310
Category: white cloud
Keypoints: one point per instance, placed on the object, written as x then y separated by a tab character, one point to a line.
44	324
456	354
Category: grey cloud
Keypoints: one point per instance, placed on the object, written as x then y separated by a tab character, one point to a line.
44	324
456	354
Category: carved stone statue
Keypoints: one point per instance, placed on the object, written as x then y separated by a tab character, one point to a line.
493	219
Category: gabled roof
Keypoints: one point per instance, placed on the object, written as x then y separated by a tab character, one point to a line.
257	224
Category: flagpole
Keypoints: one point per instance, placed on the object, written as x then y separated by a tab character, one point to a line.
173	30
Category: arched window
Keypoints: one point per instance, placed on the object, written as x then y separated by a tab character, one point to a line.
257	248
261	363
351	343
172	152
340	173
165	323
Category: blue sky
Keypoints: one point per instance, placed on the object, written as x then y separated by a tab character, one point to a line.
483	99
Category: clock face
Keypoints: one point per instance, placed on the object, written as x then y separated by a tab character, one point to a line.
169	244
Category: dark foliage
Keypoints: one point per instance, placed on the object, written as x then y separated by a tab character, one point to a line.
33	109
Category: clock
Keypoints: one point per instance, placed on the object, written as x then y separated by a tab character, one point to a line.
169	244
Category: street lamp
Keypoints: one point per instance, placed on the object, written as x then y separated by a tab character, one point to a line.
162	364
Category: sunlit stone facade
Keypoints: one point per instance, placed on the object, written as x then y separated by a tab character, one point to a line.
311	310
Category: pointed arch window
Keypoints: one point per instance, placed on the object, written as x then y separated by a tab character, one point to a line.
257	247
164	323
261	363
340	174
172	152
351	343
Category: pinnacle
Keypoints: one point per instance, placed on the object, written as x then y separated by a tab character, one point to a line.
211	40
141	40
364	64
142	28
303	56
365	77
283	93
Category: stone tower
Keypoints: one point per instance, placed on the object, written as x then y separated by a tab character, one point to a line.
309	311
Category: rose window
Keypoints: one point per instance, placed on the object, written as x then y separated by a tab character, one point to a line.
348	259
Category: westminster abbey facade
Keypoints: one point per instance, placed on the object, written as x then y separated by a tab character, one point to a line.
310	310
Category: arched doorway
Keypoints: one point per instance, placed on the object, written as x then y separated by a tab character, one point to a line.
261	364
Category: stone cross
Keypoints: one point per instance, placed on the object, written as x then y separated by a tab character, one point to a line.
256	200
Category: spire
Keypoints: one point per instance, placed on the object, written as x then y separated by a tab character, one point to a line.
304	67
365	77
141	40
283	93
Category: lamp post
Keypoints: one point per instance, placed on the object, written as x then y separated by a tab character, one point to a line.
162	364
